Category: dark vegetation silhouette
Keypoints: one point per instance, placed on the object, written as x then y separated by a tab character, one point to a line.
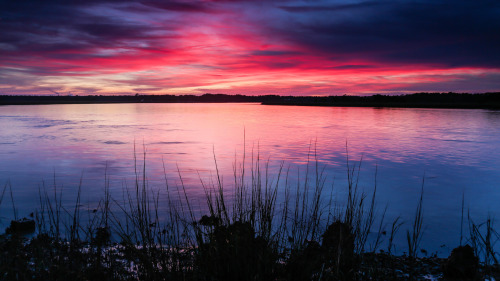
424	100
265	229
417	100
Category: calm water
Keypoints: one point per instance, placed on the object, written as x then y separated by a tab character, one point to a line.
455	150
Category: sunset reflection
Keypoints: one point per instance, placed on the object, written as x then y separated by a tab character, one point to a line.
454	149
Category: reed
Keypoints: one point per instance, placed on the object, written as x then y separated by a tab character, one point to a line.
414	236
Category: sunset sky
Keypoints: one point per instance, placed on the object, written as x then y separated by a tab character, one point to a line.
286	47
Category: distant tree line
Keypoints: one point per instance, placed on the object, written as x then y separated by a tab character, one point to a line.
425	100
436	100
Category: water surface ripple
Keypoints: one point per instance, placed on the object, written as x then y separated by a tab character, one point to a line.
453	151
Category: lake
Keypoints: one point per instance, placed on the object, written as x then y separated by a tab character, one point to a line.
452	152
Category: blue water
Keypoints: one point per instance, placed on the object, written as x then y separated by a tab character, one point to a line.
451	152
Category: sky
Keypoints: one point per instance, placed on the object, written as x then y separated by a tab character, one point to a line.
285	47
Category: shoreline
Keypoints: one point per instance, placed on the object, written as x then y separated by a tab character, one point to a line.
417	100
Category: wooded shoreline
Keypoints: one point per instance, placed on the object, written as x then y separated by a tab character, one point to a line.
417	100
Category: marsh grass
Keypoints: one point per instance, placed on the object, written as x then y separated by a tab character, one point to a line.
483	238
284	225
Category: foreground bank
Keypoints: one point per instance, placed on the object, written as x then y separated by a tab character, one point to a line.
232	253
248	235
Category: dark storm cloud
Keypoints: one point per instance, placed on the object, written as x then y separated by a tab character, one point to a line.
350	66
339	7
274	53
279	65
178	6
460	83
112	30
450	33
49	27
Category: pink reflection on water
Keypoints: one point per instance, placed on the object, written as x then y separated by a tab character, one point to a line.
456	149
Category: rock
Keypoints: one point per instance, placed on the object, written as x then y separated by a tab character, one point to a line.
22	226
338	248
462	264
304	263
102	236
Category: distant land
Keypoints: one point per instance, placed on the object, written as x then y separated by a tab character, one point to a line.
417	100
